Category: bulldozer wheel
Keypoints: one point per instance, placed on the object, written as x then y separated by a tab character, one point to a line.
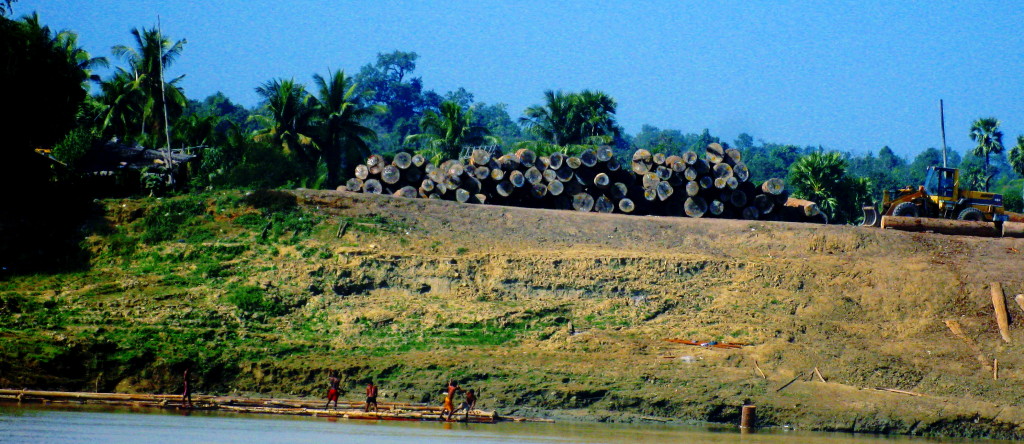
905	209
971	213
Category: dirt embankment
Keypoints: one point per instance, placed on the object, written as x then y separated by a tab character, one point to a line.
547	310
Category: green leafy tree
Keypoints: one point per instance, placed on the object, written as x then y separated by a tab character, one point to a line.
287	120
573	118
149	58
1016	158
339	113
447	131
44	86
990	141
390	83
822	177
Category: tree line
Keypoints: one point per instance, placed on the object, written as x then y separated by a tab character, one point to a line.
313	135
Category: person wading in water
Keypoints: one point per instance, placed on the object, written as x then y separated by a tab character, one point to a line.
332	392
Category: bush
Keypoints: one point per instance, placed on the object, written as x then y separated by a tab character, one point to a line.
166	220
250	299
271	201
74	147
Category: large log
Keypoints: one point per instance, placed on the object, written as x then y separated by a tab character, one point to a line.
663	172
583	202
504	188
588	158
942	226
601	180
808	208
692	188
626	205
362	172
419	160
716	207
574	162
605	153
741	172
999	305
564	174
354	184
372	186
658	158
764	203
695	206
733	156
407	192
550	175
690	157
773	186
604	205
1013	229
390	175
555	160
618	190
480	157
403	160
664	191
517	178
526	157
613	165
555	188
714	153
650	180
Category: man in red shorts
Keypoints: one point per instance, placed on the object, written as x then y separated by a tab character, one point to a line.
332	393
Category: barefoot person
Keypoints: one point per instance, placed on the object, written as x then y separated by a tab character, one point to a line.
449	399
468	404
371	396
332	392
186	394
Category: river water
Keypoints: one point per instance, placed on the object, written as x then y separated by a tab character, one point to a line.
32	424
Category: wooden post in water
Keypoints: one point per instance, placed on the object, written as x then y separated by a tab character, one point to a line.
748	417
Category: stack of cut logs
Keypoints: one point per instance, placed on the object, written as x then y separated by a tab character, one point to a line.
717	185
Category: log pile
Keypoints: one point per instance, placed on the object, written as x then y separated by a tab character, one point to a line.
716	184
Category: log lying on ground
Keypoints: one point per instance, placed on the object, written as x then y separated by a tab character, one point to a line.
1013	229
941	226
999	306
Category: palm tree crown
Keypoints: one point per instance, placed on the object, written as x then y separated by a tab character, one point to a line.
990	141
451	128
339	112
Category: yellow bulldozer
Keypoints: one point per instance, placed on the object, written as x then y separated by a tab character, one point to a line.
939	197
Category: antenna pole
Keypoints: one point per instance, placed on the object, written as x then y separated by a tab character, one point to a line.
942	122
163	98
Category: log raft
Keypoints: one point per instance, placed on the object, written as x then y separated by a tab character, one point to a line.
387	411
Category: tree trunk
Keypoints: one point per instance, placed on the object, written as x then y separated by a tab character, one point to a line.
942	226
583	202
773	186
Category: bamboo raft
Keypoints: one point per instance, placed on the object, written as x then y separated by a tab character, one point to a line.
387	411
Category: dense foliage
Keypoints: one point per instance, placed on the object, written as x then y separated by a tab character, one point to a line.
312	137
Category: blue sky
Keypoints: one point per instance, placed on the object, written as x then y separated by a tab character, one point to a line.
846	75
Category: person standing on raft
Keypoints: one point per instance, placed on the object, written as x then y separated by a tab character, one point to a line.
332	392
186	394
371	396
449	399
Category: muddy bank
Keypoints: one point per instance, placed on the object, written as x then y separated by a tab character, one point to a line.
545	312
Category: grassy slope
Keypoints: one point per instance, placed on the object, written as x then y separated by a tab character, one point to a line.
539	309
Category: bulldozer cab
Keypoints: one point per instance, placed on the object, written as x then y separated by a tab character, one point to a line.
943	183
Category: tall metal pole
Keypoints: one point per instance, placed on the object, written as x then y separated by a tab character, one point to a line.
163	98
942	120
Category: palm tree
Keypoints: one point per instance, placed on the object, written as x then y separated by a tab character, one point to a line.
553	120
595	111
990	141
1016	157
450	129
339	113
288	123
818	177
153	53
123	104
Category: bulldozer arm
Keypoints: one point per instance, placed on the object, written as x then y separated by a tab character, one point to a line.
871	217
